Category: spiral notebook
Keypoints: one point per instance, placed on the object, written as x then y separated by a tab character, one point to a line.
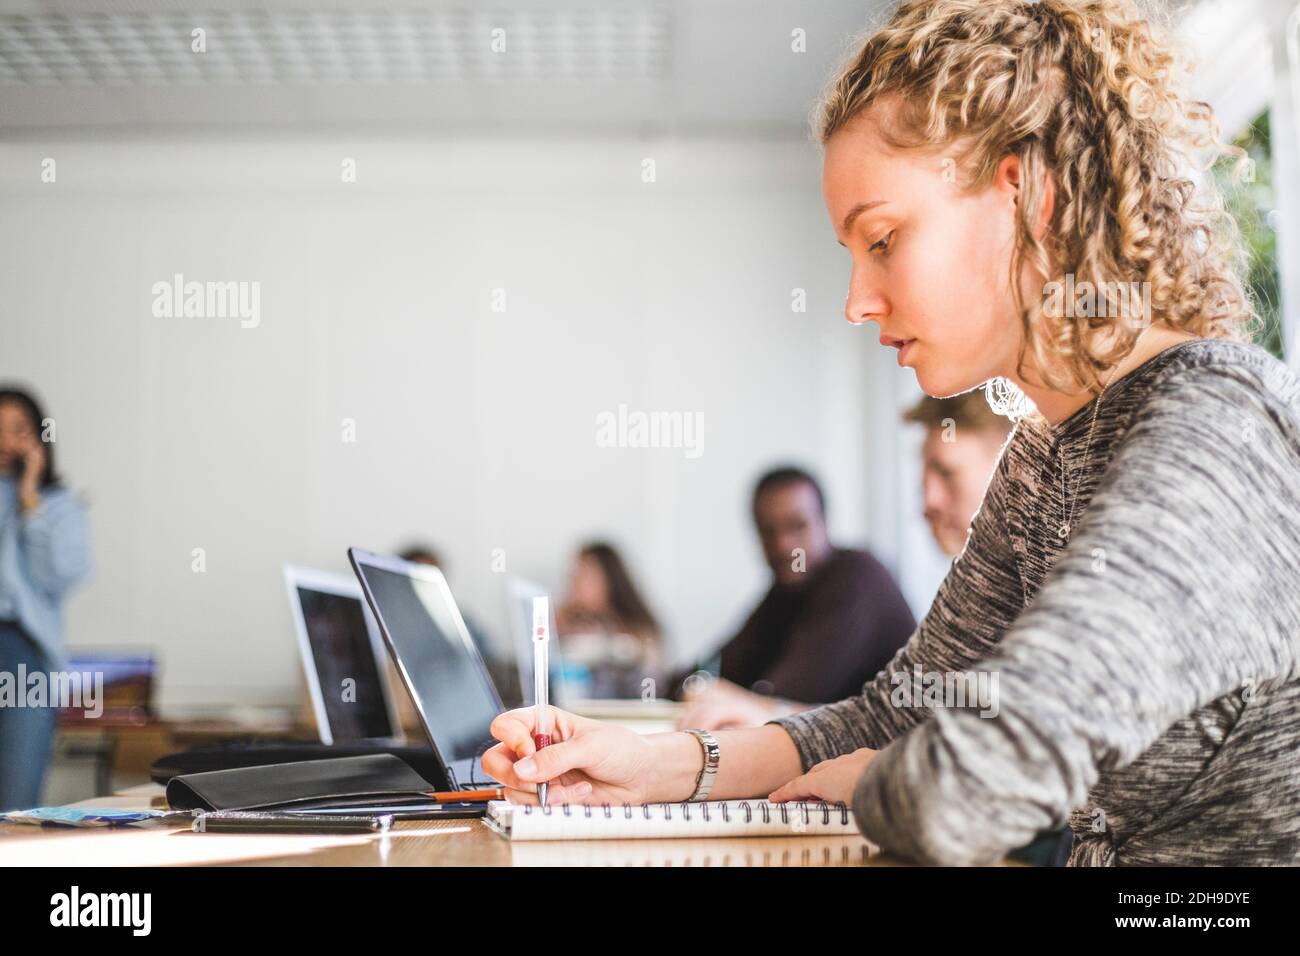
719	818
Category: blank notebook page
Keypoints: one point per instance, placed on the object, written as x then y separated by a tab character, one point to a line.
719	818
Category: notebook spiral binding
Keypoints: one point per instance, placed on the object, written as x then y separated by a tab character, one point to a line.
764	809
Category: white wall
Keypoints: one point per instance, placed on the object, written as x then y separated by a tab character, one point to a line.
475	430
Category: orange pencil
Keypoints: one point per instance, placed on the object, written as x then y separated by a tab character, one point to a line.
468	796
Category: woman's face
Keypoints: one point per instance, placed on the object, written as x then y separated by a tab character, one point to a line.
16	436
931	260
588	588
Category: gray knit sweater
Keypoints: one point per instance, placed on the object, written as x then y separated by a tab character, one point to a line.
1147	675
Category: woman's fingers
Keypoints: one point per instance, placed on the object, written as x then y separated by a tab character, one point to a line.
796	789
522	797
550	762
517	763
498	763
555	794
574	793
515	728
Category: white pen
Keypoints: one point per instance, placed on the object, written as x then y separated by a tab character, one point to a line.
541	680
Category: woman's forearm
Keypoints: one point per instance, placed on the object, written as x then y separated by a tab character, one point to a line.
752	762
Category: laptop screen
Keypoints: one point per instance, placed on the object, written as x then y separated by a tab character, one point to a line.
444	672
344	659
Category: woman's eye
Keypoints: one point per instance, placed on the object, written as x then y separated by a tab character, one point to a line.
882	244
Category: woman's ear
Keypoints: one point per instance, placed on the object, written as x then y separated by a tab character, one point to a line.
1008	178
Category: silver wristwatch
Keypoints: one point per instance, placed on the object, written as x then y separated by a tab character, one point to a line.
709	772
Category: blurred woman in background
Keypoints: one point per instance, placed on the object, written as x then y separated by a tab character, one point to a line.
43	553
606	627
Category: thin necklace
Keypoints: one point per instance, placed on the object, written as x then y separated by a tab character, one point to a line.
1064	531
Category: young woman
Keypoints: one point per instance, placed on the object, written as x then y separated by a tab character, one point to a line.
1129	577
605	624
43	553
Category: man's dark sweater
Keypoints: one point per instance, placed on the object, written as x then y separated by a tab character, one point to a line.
820	642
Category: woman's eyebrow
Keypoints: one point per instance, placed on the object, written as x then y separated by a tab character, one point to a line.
858	210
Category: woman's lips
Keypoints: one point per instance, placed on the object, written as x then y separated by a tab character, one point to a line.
903	346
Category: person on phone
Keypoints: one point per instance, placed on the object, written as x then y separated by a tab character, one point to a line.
43	553
1129	576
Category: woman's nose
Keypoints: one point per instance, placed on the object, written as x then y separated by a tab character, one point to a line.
864	303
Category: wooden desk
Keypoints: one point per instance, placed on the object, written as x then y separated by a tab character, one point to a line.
412	843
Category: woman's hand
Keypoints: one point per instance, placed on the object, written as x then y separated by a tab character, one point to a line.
831	780
30	467
588	762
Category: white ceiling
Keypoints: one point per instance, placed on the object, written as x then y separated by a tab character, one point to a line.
640	66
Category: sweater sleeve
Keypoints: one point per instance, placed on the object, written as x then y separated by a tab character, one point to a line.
978	598
1163	601
55	550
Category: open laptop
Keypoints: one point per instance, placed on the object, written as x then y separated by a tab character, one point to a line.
339	640
343	658
437	659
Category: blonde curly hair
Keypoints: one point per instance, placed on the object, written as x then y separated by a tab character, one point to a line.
1084	92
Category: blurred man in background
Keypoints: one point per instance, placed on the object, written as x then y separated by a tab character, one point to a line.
830	620
964	438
